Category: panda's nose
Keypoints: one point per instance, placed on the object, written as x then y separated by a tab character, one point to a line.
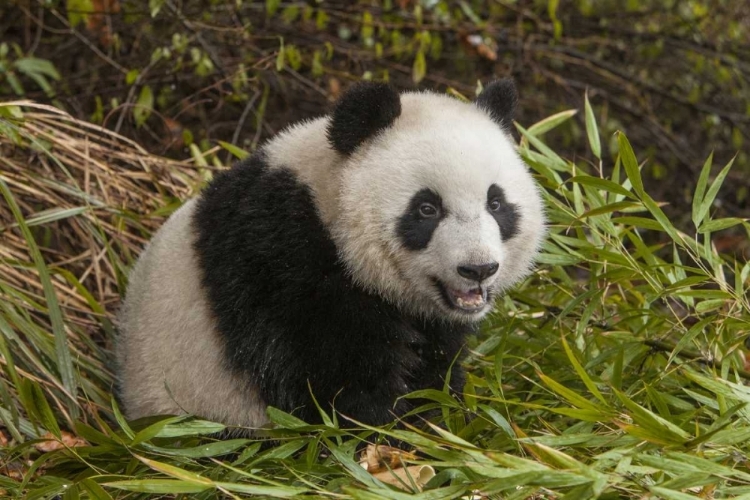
478	272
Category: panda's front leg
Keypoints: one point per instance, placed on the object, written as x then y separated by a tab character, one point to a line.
356	364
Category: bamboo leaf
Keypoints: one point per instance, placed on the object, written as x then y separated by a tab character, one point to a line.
630	163
591	129
158	486
700	188
144	105
419	69
706	203
543	126
64	361
720	224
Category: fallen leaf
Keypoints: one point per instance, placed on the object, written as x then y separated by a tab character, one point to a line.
13	470
52	443
406	478
377	458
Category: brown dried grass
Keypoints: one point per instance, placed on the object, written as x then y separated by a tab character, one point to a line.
90	198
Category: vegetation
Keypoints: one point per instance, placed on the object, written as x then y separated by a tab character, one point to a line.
618	370
180	76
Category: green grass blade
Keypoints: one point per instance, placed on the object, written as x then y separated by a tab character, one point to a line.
591	129
700	188
630	163
547	124
706	203
64	361
582	373
158	486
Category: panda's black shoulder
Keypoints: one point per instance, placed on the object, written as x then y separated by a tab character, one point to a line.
290	316
254	225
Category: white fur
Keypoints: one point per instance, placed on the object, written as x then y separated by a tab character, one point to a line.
170	353
438	142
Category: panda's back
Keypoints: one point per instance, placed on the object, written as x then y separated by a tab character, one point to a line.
170	355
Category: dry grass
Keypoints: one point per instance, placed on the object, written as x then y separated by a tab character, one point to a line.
90	199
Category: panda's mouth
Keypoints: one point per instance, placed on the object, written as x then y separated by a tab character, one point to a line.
470	301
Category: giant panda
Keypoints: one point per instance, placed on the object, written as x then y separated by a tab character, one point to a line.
345	261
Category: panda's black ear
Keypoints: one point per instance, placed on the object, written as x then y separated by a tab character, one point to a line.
499	99
364	110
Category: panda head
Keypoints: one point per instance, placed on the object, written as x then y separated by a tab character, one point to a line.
436	211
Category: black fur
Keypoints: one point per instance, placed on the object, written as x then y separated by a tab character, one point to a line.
290	315
507	216
414	230
499	99
363	111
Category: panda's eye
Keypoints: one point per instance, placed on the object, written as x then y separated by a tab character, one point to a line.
495	205
428	211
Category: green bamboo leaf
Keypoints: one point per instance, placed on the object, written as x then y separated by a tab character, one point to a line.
95	491
41	408
120	418
263	491
653	423
31	66
203	451
543	126
153	430
604	184
630	163
419	69
176	472
64	361
158	486
700	188
236	152
54	214
558	162
572	397
143	106
193	427
641	222
591	129
619	206
661	217
557	260
284	419
720	224
582	372
706	203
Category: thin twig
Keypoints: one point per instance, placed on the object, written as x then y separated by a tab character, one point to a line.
87	42
241	123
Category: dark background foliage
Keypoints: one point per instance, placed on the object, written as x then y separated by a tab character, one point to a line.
672	74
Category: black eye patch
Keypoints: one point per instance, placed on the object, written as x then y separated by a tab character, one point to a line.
414	228
506	214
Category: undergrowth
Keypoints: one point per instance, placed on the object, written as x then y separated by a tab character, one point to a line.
618	370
